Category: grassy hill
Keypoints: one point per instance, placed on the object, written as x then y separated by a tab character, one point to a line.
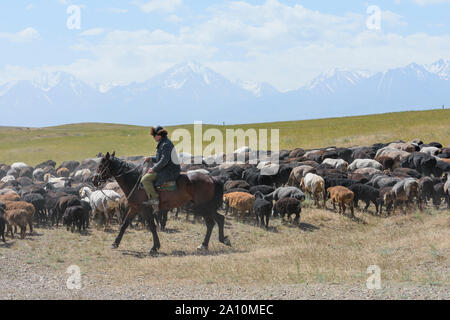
80	141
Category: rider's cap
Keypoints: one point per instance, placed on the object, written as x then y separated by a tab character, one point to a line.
158	131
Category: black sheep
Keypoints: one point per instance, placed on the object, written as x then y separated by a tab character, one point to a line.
38	201
262	188
438	194
422	162
74	216
365	193
288	206
332	182
262	208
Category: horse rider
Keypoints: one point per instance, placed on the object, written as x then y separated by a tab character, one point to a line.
166	166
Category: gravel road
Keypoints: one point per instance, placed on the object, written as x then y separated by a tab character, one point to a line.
19	280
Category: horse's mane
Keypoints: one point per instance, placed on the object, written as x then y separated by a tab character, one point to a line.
129	169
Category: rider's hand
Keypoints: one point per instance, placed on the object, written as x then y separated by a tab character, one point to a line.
150	170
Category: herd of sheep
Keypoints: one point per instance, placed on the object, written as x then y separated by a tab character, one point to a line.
388	175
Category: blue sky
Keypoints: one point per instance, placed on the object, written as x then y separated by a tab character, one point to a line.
286	43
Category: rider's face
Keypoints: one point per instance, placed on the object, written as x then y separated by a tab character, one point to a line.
157	138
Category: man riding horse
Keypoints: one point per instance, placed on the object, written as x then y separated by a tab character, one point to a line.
166	166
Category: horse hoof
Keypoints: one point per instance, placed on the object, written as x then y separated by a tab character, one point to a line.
153	252
114	246
226	241
202	248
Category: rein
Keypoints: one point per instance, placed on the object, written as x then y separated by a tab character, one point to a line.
120	175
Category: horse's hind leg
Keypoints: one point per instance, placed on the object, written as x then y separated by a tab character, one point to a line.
220	219
209	228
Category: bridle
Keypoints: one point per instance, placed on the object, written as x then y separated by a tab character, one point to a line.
106	170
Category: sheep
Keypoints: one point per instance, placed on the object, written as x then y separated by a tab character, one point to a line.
387	198
288	206
432	151
262	208
17	166
103	201
298	173
368	172
342	196
10	197
75	216
405	190
38	202
262	188
7	178
365	193
2	221
365	163
314	185
239	202
22	205
438	194
82	175
286	192
17	218
336	163
232	184
63	172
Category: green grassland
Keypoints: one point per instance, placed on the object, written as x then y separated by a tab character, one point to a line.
81	141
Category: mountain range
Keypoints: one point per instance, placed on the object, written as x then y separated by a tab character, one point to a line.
190	91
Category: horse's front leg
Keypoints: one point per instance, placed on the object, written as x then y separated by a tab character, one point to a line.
151	221
126	222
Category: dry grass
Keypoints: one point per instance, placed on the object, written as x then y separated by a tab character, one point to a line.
325	248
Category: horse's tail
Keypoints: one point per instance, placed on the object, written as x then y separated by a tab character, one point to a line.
218	192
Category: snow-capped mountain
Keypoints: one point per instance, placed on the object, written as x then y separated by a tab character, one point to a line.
335	80
190	91
440	68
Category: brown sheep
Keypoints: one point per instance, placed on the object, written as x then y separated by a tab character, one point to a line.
63	172
10	197
22	205
239	202
341	195
17	218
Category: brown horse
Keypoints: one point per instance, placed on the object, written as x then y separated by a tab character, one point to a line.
204	191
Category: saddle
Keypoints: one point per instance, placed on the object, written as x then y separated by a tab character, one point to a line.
168	186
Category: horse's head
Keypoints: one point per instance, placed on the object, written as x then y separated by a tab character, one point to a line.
104	170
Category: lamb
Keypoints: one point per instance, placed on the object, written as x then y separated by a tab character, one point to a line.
262	208
288	206
239	202
75	215
342	196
